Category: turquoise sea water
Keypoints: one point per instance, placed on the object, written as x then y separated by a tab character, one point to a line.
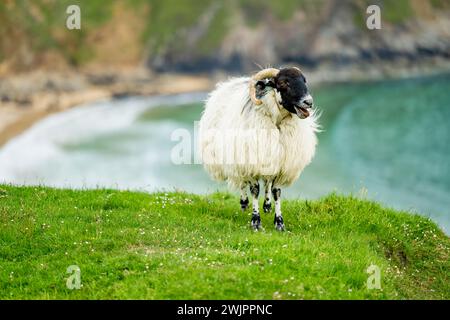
388	141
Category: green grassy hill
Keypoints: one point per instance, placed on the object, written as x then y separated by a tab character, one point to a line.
184	246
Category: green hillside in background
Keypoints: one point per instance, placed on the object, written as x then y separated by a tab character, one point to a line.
117	33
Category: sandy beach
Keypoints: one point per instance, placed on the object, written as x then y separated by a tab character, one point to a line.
21	107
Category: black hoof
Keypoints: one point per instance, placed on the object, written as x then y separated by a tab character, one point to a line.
256	222
244	204
267	206
279	223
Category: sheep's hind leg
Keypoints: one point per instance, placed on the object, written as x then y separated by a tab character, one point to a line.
267	205
278	220
244	198
256	218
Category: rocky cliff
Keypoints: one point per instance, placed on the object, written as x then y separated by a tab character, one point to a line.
205	35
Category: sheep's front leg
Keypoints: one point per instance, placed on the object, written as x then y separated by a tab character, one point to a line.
244	197
256	218
267	205
278	220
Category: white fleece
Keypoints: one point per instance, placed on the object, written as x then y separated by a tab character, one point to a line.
241	142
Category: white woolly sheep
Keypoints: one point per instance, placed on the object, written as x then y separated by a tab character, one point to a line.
256	129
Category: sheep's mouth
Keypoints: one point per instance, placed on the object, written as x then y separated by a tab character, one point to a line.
301	112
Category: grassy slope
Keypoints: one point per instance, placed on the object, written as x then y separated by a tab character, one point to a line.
183	246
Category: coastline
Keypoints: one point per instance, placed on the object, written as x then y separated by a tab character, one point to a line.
29	97
20	109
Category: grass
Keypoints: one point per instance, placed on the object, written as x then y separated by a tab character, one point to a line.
440	4
132	245
397	11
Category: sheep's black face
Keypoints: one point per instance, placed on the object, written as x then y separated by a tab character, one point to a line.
294	93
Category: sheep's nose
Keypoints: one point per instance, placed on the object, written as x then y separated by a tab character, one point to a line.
308	101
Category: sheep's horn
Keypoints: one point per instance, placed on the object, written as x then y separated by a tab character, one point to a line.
263	74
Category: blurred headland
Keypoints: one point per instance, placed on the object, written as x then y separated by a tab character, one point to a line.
237	36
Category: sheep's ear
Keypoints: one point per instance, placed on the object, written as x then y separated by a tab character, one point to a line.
282	84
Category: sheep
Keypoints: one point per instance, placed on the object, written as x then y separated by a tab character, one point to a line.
256	129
